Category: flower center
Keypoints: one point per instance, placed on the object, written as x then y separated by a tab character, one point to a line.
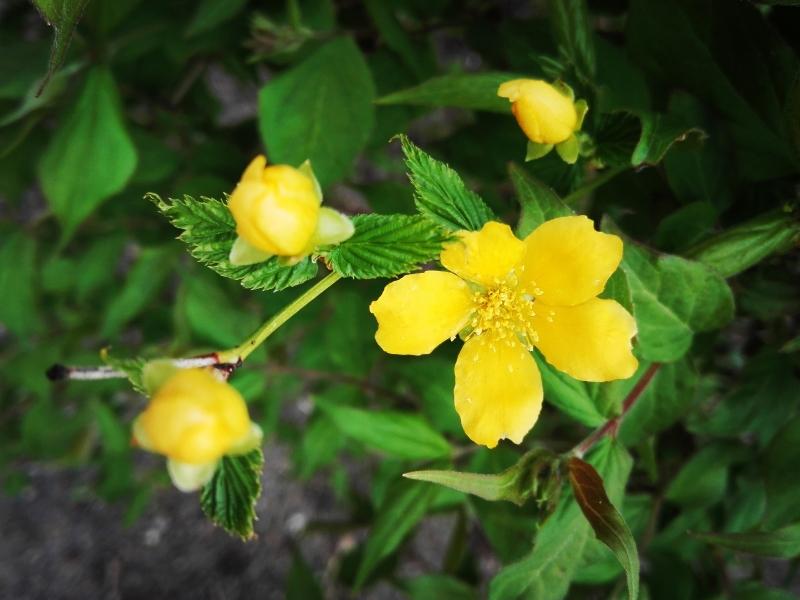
506	313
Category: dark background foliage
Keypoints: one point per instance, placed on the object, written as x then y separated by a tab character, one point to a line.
695	111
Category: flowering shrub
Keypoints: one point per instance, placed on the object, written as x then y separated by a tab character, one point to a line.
601	204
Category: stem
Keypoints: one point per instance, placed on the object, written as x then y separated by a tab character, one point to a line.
59	372
243	350
595	183
612	425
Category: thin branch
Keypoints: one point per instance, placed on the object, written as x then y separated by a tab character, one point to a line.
612	425
59	372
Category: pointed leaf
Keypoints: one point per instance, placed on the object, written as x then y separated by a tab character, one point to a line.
781	543
538	202
229	499
605	519
63	16
477	91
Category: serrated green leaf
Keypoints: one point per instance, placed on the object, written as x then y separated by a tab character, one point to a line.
404	506
538	202
229	499
440	194
387	245
741	247
320	110
91	157
781	543
546	572
210	231
476	91
605	519
673	298
402	435
132	367
62	16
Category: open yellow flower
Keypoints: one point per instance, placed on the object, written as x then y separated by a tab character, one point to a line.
506	296
548	114
194	420
277	212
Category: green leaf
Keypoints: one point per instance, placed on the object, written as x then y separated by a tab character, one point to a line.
659	133
546	572
401	435
673	298
132	367
667	398
781	543
404	506
475	91
63	16
440	194
210	231
780	472
568	395
301	583
229	499
211	13
605	519
703	480
142	284
416	56
741	247
533	474
570	23
18	310
538	203
91	157
320	110
617	135
387	245
741	67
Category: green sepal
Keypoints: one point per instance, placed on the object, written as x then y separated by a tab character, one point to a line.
252	442
244	253
537	150
564	89
306	170
581	108
569	149
189	477
333	228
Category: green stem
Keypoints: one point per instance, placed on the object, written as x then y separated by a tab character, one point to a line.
243	350
595	183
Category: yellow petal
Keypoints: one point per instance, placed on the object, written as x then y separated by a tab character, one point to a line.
486	256
255	170
568	262
498	392
545	114
418	312
591	341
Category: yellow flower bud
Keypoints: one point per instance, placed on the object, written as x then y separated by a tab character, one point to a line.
194	418
546	114
276	208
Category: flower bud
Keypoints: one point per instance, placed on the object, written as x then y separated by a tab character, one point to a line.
276	208
194	418
545	113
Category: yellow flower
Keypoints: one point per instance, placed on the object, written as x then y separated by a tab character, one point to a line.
194	420
548	114
506	296
277	213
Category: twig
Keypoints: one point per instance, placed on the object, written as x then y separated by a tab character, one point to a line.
59	372
612	425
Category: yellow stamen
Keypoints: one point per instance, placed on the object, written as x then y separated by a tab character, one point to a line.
506	313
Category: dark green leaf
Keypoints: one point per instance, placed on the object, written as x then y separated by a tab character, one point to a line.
440	194
659	133
416	56
570	21
91	157
538	203
387	245
132	367
780	470
209	230
62	16
405	506
703	480
739	248
402	435
618	134
301	583
18	310
605	519
211	13
439	587
781	543
569	395
229	499
476	91
320	110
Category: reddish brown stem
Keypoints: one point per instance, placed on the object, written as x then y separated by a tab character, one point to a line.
612	425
